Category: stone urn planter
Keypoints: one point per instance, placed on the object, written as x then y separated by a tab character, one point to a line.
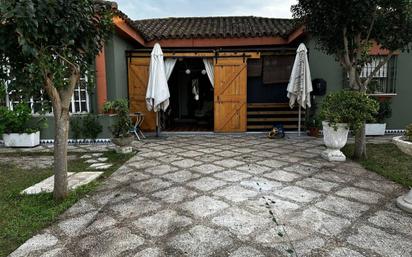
22	140
334	140
405	201
123	144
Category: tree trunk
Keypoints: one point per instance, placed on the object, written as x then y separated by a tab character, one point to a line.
360	144
61	121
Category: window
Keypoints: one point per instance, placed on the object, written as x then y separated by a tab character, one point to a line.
384	81
40	103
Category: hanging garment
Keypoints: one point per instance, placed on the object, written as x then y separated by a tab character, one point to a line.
195	88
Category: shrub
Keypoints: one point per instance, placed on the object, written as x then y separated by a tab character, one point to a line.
91	126
384	111
19	120
408	133
123	123
76	127
351	107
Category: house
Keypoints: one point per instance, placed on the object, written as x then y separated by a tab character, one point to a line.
227	74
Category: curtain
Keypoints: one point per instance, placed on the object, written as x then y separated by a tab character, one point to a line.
210	70
169	65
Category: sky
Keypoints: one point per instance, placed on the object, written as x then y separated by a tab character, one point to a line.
146	9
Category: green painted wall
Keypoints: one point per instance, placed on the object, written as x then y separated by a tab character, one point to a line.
326	67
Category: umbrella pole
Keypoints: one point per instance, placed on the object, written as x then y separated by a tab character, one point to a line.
300	113
157	124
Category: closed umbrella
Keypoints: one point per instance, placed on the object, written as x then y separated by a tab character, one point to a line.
300	83
157	94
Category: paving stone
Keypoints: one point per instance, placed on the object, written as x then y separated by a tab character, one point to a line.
170	158
317	184
131	178
100	166
57	252
344	252
378	186
229	163
181	176
151	185
160	170
144	164
397	222
36	243
102	223
307	246
315	220
206	184
231	175
86	156
246	252
334	177
343	207
162	223
360	195
190	154
73	226
236	193
135	207
297	194
111	243
149	252
82	206
207	168
46	185
91	161
97	154
102	159
175	194
201	241
239	221
152	154
186	163
381	242
260	184
204	206
253	168
272	163
227	154
280	207
283	176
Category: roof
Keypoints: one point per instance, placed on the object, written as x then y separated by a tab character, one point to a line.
214	27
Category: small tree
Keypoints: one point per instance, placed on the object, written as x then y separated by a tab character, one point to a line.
348	28
46	45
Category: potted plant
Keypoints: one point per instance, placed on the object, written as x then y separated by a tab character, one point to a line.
385	112
121	127
314	127
108	107
404	143
19	128
341	111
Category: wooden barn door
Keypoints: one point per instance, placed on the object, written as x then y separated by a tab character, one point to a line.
230	108
138	78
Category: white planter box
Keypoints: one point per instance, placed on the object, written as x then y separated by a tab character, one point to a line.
334	141
22	140
375	129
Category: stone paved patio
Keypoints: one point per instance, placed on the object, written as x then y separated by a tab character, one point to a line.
203	196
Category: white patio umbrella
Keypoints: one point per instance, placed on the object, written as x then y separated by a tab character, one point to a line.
300	83
157	94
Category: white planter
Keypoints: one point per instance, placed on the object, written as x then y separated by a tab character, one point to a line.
22	140
405	201
375	129
334	141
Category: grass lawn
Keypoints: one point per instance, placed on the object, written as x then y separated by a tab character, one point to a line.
386	160
21	216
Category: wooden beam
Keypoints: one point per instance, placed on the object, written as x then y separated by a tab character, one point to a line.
125	28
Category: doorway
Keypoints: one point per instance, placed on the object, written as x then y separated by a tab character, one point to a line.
191	98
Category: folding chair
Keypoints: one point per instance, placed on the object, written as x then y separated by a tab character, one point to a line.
136	130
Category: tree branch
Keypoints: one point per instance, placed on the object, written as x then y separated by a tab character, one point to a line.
372	25
346	46
377	68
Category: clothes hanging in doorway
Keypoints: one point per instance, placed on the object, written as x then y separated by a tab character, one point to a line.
195	88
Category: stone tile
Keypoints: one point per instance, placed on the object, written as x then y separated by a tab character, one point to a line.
239	221
131	178
314	220
207	168
343	207
360	195
152	154
186	163
317	184
169	158
253	168
110	243
102	223
204	206
260	184
91	161
308	246
162	223
344	252
135	207
102	159
36	243
149	252
227	153
73	226
181	176
378	186
144	164
190	154
206	184
246	251
334	177
236	193
160	170
281	208
86	156
97	154
231	175
297	194
390	220
100	166
381	242
201	241
272	163
175	194
151	185
229	163
283	176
